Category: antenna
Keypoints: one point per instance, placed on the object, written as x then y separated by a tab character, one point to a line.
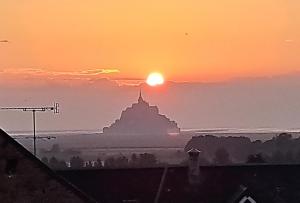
54	108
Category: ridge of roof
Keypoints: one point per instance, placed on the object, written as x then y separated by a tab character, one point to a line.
46	169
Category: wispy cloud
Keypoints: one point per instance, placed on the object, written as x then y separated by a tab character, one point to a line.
126	81
38	74
100	71
129	82
126	78
88	76
289	40
88	72
4	41
39	71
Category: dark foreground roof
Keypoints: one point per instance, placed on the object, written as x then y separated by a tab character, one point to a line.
263	183
24	178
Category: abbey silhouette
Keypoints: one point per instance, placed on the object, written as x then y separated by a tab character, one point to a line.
142	119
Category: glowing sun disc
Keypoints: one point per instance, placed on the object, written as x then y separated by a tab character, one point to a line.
155	79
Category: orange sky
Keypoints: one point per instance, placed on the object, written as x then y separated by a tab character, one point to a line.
185	40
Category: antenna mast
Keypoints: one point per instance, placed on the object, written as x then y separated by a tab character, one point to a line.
54	108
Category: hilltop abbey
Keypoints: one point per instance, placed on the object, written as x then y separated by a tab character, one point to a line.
142	119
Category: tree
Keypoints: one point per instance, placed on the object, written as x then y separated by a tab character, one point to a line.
122	162
278	157
76	162
110	162
62	164
88	164
134	160
297	156
222	156
55	148
256	158
98	163
147	160
289	157
282	141
203	161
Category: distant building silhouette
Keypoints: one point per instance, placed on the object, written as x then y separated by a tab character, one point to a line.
142	119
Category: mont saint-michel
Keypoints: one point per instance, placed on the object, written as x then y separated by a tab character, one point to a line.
142	119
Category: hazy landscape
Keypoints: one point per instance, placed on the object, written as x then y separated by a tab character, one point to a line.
117	101
91	145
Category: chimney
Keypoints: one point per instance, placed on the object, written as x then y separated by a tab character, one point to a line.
194	171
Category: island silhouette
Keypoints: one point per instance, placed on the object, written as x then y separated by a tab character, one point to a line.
142	119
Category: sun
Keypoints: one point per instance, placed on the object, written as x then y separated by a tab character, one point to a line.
155	79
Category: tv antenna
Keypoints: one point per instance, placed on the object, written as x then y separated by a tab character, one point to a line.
54	108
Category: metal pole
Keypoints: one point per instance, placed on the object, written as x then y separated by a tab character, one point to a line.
34	137
34	110
161	185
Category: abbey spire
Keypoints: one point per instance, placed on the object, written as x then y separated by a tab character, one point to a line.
141	100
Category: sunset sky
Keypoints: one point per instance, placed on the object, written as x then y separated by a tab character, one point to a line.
185	40
216	55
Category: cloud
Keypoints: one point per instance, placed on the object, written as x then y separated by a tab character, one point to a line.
128	81
102	71
289	40
4	41
89	72
39	71
127	78
38	76
88	76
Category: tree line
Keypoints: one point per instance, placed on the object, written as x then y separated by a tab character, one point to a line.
76	162
281	149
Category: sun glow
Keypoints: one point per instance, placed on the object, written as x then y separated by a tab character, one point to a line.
155	79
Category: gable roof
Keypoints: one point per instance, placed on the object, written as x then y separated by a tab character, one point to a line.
194	150
5	139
